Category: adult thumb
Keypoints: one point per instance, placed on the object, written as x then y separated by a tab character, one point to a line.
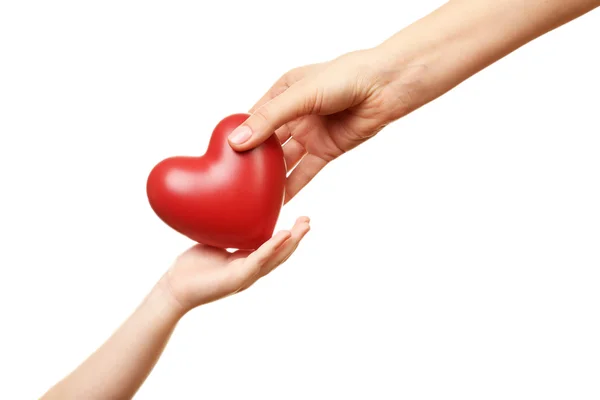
296	101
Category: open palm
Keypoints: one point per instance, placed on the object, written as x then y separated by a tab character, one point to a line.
203	274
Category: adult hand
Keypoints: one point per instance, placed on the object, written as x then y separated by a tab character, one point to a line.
321	111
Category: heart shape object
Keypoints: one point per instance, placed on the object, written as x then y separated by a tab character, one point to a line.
224	198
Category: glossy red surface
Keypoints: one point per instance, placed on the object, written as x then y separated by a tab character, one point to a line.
223	198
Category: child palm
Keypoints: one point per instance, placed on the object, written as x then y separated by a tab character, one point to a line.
204	274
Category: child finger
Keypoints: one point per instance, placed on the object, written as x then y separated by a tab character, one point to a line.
261	255
287	249
283	251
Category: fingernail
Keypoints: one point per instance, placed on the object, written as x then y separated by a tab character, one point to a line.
240	134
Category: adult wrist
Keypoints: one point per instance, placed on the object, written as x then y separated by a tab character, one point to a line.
462	37
439	51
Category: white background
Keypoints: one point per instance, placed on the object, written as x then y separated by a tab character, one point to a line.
455	255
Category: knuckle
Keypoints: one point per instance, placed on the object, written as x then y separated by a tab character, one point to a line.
263	115
315	102
309	98
304	175
287	78
294	74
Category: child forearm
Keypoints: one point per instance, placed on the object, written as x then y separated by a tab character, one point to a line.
200	275
120	366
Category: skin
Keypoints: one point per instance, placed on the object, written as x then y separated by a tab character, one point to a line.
324	110
319	112
199	276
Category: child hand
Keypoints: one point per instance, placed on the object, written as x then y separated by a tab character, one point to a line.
204	274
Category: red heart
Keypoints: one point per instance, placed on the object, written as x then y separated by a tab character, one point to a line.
223	198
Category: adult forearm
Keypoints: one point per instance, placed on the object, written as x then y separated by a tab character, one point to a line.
120	366
439	51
